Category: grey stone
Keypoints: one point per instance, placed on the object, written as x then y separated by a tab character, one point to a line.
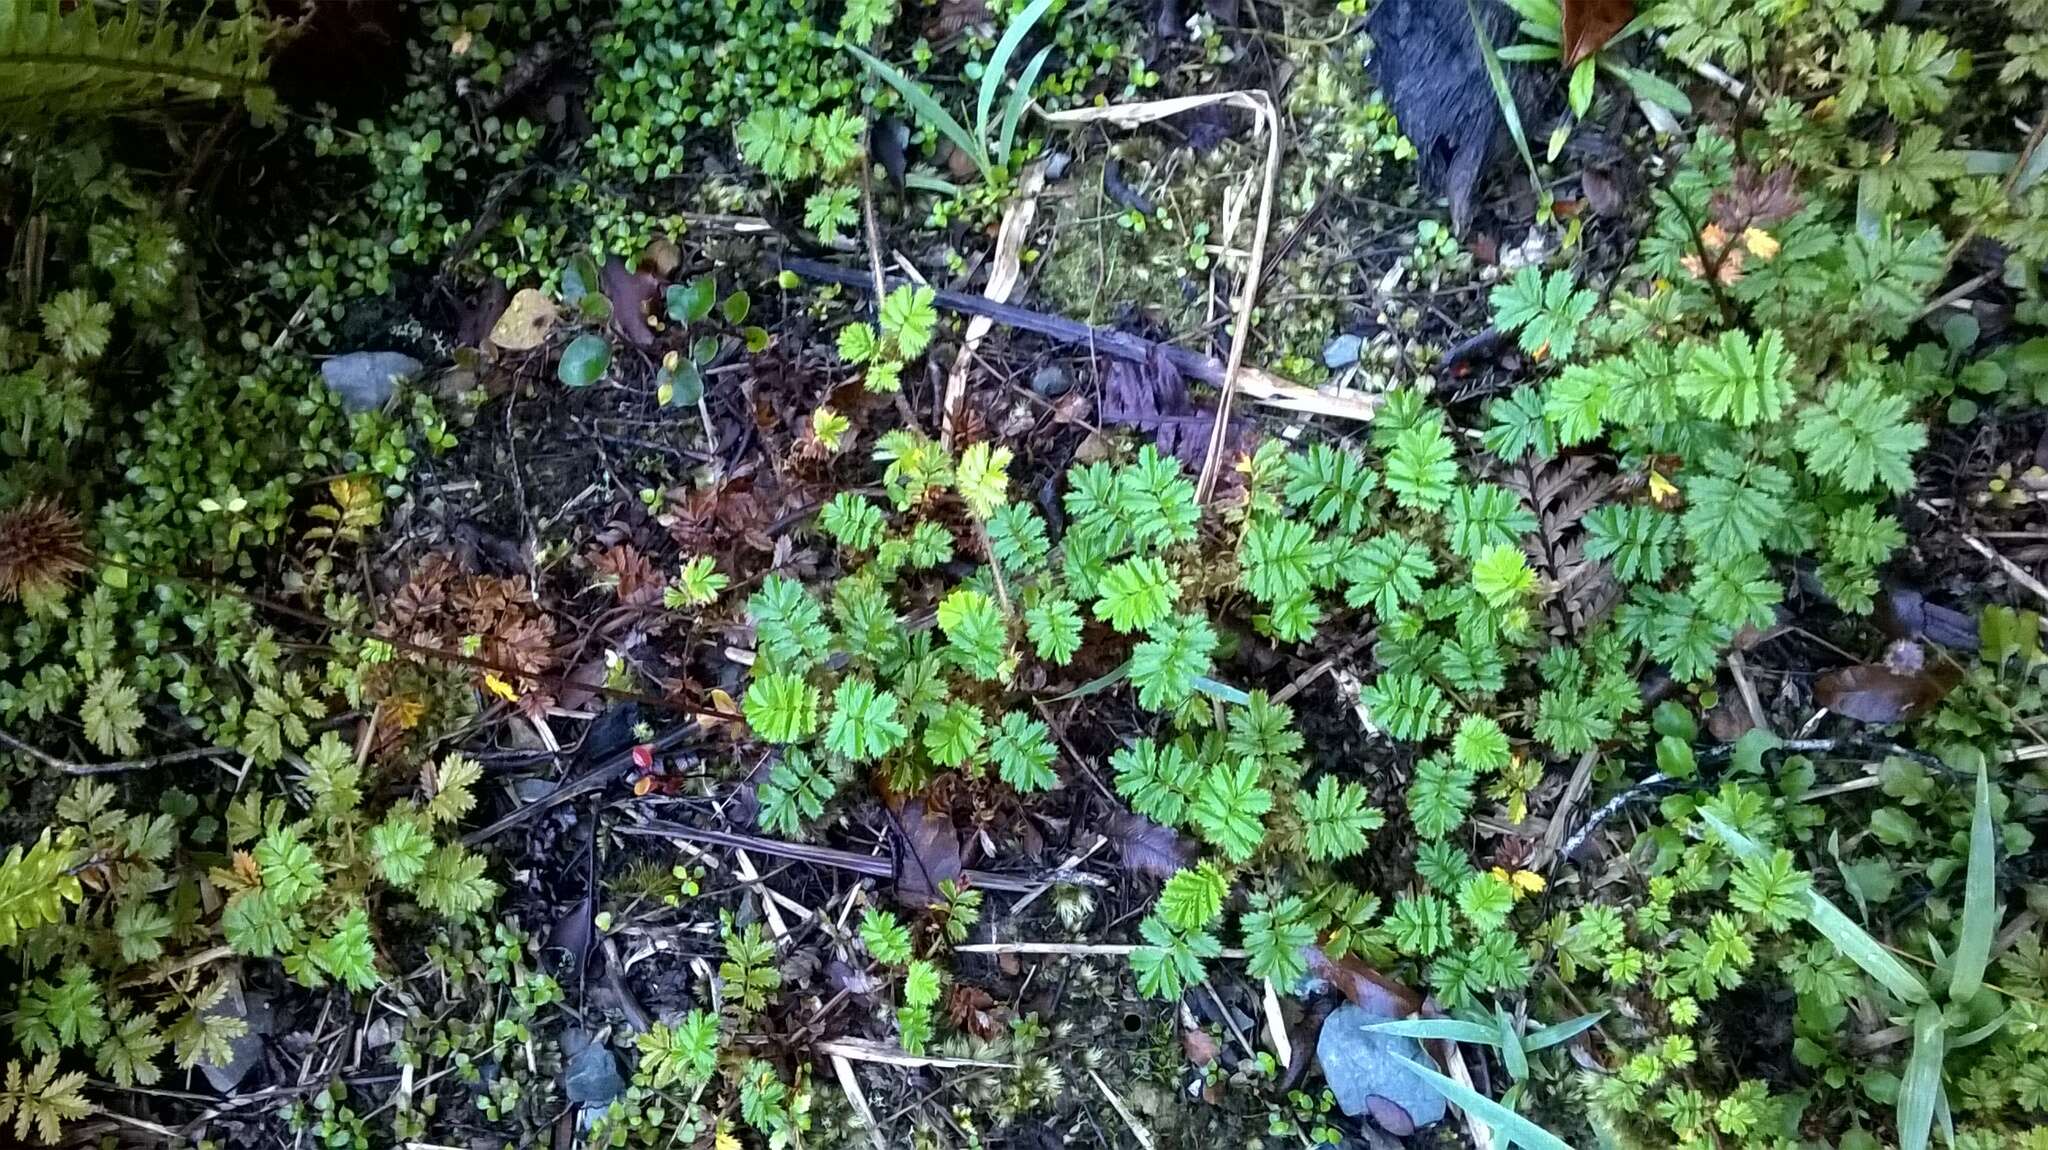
244	1051
1361	1066
593	1076
366	380
1342	351
1051	381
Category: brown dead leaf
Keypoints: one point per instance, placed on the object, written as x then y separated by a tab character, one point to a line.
972	1010
929	853
1200	1046
1874	693
1146	847
629	574
630	293
1589	24
1363	985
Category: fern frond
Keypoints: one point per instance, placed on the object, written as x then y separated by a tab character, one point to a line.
59	59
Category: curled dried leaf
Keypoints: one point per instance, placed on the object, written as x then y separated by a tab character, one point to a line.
1874	693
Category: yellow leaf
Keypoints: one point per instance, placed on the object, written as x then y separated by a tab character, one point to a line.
724	1140
501	688
526	321
1661	489
1760	243
1527	882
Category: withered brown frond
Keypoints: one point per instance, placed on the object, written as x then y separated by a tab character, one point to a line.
41	547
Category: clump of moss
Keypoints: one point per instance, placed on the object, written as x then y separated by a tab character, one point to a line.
1115	261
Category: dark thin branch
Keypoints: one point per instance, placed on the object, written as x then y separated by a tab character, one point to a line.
1107	341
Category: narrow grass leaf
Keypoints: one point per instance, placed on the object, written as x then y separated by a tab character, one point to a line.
918	181
1973	1037
924	105
1456	1030
1223	691
1511	1050
1980	899
1020	99
1098	684
1559	1032
1505	1122
1920	1092
999	63
1501	92
1858	947
1740	845
1853	941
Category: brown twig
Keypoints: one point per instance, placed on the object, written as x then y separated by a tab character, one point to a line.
872	865
118	766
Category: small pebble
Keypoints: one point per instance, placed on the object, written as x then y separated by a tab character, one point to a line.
1342	351
1051	381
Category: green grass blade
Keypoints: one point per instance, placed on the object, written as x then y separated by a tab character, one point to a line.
1512	1052
1558	1032
1453	1029
1644	21
1853	941
1501	92
924	183
1097	684
1224	691
1740	845
1020	98
1505	1122
924	105
1973	1037
1542	13
1980	898
1858	947
1656	89
1920	1091
999	64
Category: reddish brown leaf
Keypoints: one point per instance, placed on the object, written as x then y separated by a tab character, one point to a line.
631	292
1874	693
1364	985
1589	24
972	1010
1146	847
930	853
1200	1046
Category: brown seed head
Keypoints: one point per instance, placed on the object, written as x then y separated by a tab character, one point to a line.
41	547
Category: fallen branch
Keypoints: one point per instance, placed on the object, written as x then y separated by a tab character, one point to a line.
1267	388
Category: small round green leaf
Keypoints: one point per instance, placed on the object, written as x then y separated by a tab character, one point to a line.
690	302
584	361
704	350
757	339
682	387
736	307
